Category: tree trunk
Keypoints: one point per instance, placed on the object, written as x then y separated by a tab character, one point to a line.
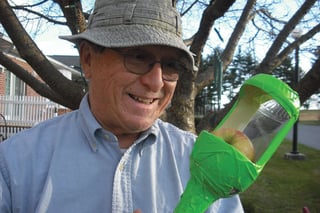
28	50
181	112
38	86
307	86
310	84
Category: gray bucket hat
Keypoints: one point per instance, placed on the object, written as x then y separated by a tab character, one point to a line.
127	23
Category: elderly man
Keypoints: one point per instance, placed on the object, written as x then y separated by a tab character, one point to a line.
113	154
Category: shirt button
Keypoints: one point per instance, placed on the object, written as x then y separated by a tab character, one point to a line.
121	167
94	146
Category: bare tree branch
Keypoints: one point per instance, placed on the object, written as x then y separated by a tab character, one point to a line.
284	53
34	5
215	10
189	8
269	18
31	53
182	112
237	33
38	86
52	20
265	65
227	54
310	83
269	32
72	10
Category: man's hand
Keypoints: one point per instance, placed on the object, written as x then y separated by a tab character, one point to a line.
137	211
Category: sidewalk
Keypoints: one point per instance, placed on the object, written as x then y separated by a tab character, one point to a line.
308	135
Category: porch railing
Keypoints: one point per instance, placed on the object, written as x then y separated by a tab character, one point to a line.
21	112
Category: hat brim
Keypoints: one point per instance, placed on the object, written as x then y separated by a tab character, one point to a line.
131	35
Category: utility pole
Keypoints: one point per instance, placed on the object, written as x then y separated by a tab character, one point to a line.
295	154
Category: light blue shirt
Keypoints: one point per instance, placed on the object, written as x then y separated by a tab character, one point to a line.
71	164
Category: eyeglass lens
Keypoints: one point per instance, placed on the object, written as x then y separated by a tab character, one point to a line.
141	62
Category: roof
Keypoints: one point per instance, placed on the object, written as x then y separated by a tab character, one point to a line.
72	61
6	46
62	62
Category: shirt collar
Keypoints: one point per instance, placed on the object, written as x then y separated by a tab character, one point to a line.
153	130
89	125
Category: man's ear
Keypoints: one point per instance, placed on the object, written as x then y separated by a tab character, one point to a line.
85	58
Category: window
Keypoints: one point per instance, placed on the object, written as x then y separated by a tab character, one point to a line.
14	85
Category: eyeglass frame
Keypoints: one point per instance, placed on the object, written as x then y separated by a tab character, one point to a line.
125	54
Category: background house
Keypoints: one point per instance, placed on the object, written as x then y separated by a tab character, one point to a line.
69	66
20	106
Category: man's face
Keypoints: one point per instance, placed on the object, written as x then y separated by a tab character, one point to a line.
124	102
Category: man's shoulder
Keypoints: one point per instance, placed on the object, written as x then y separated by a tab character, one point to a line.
174	130
176	137
40	133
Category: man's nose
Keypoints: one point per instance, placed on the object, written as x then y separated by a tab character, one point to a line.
153	79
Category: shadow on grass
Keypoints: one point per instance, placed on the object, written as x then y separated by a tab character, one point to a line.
286	185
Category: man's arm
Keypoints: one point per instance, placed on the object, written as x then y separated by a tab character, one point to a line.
5	199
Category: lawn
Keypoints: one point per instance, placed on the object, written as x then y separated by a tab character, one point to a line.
286	185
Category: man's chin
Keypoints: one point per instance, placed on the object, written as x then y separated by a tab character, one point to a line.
141	125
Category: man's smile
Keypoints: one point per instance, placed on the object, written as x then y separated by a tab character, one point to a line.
142	100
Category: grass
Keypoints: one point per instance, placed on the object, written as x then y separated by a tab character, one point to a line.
316	123
286	185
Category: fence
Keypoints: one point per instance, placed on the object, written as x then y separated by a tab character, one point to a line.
21	112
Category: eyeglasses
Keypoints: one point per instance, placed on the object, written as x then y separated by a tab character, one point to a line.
140	62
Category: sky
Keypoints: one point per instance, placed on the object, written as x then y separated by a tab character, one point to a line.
50	44
48	39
